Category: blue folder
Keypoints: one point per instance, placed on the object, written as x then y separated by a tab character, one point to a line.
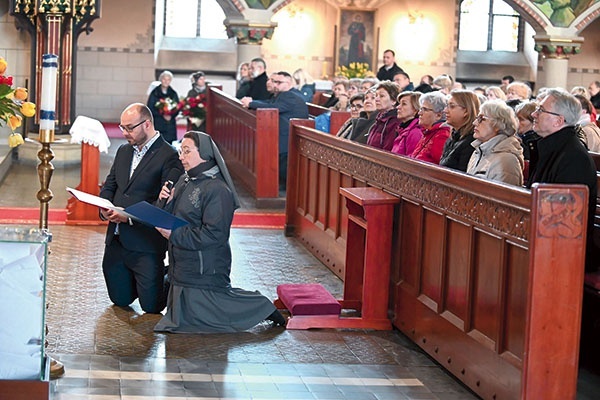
148	214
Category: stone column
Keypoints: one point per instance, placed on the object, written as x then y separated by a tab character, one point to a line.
555	53
249	37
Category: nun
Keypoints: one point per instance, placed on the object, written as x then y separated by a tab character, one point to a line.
201	299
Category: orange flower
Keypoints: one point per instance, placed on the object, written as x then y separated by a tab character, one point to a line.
21	93
28	109
3	65
14	121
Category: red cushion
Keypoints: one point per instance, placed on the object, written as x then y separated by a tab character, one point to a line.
308	299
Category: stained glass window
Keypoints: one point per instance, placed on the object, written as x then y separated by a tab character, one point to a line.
194	18
488	25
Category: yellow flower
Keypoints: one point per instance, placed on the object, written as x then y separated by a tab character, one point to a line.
28	109
14	121
15	139
3	65
21	93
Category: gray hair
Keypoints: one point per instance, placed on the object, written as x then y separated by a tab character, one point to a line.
565	104
502	116
443	81
165	73
438	100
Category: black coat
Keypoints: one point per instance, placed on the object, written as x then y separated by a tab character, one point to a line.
258	88
168	129
562	158
199	252
388	74
158	165
457	151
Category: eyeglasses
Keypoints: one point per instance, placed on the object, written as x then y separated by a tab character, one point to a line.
425	109
356	106
480	118
452	106
130	128
184	152
540	109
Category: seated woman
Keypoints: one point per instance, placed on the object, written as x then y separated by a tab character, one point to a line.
384	130
356	106
526	134
305	84
366	118
498	155
463	106
435	131
340	88
201	298
244	79
409	131
587	122
495	92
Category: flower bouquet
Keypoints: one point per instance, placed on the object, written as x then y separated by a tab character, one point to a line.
354	70
13	106
166	106
194	108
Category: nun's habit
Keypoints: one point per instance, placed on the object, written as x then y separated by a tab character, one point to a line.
201	298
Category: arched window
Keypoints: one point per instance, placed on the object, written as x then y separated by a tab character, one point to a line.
489	25
194	18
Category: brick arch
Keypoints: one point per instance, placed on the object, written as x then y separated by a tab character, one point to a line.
541	23
531	14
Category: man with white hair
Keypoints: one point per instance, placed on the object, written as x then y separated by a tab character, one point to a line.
560	155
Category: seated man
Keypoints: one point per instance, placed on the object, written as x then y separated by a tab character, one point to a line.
560	157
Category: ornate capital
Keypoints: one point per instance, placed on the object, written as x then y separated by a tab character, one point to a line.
79	10
556	47
249	32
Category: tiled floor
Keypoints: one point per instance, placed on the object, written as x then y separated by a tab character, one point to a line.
112	353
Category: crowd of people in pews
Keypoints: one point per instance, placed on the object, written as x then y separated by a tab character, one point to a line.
500	133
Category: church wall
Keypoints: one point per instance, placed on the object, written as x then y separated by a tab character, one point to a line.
423	35
115	63
303	39
584	68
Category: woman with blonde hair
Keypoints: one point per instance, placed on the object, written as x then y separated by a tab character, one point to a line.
244	79
498	155
495	92
305	84
462	108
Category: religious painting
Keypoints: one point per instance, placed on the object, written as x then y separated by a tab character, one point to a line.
357	37
563	12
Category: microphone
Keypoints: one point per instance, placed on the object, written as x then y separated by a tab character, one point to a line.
161	203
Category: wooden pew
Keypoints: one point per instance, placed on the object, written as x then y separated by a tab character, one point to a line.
479	276
337	119
248	140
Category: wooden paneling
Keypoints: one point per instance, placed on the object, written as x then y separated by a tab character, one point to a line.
248	140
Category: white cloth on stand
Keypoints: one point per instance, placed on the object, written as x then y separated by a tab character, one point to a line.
90	131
